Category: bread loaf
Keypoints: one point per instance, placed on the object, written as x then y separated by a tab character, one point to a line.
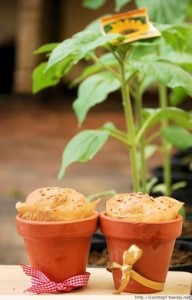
141	207
55	204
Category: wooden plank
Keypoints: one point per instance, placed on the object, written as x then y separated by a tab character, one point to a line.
13	281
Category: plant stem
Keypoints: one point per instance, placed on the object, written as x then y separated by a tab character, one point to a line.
165	145
138	98
152	137
106	67
116	136
130	127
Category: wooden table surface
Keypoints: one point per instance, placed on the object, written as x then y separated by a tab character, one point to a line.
13	282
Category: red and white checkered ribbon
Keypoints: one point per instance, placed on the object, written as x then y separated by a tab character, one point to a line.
42	285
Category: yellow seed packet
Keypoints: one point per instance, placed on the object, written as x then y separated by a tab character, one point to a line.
133	25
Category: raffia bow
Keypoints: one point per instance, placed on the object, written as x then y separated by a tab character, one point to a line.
130	257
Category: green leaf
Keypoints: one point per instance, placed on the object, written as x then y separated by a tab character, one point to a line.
177	33
156	41
94	26
179	185
117	133
40	81
143	52
75	47
150	183
46	48
82	148
92	91
145	83
79	46
177	96
178	37
182	212
163	11
166	73
43	78
189	10
182	59
150	150
153	116
120	3
93	4
160	187
105	60
174	39
101	195
179	137
108	126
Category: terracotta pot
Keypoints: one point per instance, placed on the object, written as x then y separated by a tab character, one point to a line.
58	249
156	240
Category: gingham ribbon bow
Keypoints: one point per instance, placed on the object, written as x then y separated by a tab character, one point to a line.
42	285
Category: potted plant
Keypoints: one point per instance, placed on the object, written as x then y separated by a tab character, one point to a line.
57	225
141	233
131	67
136	55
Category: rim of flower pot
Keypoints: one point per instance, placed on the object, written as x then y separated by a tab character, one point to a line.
137	228
103	214
67	229
56	222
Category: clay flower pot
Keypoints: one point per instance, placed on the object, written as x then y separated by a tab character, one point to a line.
156	241
58	249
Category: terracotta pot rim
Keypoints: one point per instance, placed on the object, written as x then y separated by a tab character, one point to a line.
104	216
18	218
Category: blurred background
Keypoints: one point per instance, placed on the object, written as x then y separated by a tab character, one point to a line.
34	129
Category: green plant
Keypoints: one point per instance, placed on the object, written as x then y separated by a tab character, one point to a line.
131	68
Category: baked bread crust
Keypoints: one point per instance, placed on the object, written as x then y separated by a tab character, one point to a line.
55	204
141	207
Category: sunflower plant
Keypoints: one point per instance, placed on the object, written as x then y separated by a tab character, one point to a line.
137	53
